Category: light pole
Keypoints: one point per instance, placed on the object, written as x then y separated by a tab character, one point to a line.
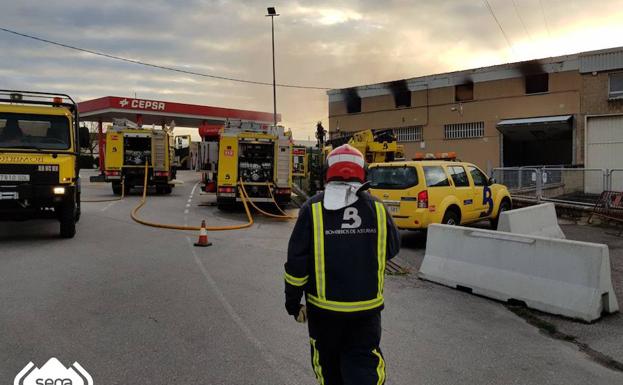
272	13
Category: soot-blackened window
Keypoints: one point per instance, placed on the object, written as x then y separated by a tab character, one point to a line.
464	92
536	84
402	99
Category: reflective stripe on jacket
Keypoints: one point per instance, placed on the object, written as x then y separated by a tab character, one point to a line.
338	256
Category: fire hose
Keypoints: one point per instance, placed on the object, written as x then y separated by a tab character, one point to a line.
108	200
283	215
136	210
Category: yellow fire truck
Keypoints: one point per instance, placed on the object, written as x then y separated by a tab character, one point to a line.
40	142
259	156
377	147
129	147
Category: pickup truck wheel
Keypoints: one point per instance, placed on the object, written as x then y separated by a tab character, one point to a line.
67	218
504	206
450	218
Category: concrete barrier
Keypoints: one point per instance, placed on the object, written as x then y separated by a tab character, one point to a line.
540	220
552	275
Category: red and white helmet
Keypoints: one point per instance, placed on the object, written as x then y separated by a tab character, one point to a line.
346	164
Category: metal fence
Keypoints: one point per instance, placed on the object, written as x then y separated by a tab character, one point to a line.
577	186
520	181
616	180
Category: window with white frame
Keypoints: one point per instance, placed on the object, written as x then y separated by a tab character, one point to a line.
615	88
409	134
464	130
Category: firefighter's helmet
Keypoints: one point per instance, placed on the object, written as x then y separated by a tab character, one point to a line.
346	164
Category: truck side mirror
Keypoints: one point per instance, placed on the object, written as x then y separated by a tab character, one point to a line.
492	181
85	137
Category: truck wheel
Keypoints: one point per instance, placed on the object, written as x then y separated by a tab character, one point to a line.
225	204
504	206
283	203
116	188
67	218
78	207
163	190
227	207
450	218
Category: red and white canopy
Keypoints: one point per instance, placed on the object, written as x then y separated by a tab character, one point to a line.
159	112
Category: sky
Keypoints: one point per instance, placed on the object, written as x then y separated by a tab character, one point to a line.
332	44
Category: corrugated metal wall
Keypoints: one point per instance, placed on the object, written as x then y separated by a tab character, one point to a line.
604	142
601	62
604	146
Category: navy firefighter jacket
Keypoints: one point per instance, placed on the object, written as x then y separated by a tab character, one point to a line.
337	257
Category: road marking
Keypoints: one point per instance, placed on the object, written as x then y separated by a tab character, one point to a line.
108	206
190	199
266	355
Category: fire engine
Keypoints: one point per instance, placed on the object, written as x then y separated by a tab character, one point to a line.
129	147
255	155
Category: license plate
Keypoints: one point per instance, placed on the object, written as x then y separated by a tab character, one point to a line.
14	178
394	209
8	196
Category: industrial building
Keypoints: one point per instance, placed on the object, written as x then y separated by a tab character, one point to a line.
565	110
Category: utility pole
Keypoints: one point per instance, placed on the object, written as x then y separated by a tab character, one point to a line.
272	13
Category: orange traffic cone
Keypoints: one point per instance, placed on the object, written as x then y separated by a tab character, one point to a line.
203	236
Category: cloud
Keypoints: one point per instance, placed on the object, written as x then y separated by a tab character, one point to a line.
326	16
323	43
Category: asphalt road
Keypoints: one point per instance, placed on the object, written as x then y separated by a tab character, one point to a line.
139	305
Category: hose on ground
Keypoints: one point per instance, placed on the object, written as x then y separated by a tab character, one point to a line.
286	215
270	215
136	210
108	200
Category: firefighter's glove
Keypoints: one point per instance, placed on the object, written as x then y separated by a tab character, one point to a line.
302	316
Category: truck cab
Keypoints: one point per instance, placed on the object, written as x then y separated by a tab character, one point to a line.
40	141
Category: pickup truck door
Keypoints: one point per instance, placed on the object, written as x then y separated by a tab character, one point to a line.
483	198
464	191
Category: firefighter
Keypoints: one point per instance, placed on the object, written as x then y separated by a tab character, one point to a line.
336	256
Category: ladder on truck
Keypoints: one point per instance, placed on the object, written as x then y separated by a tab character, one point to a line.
159	150
236	126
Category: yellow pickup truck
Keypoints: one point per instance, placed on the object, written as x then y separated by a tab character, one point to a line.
418	193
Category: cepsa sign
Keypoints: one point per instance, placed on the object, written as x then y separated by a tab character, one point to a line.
142	104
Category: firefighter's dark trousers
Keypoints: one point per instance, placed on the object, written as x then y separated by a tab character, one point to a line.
345	350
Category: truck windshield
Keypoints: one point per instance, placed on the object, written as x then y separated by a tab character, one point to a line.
42	132
398	177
